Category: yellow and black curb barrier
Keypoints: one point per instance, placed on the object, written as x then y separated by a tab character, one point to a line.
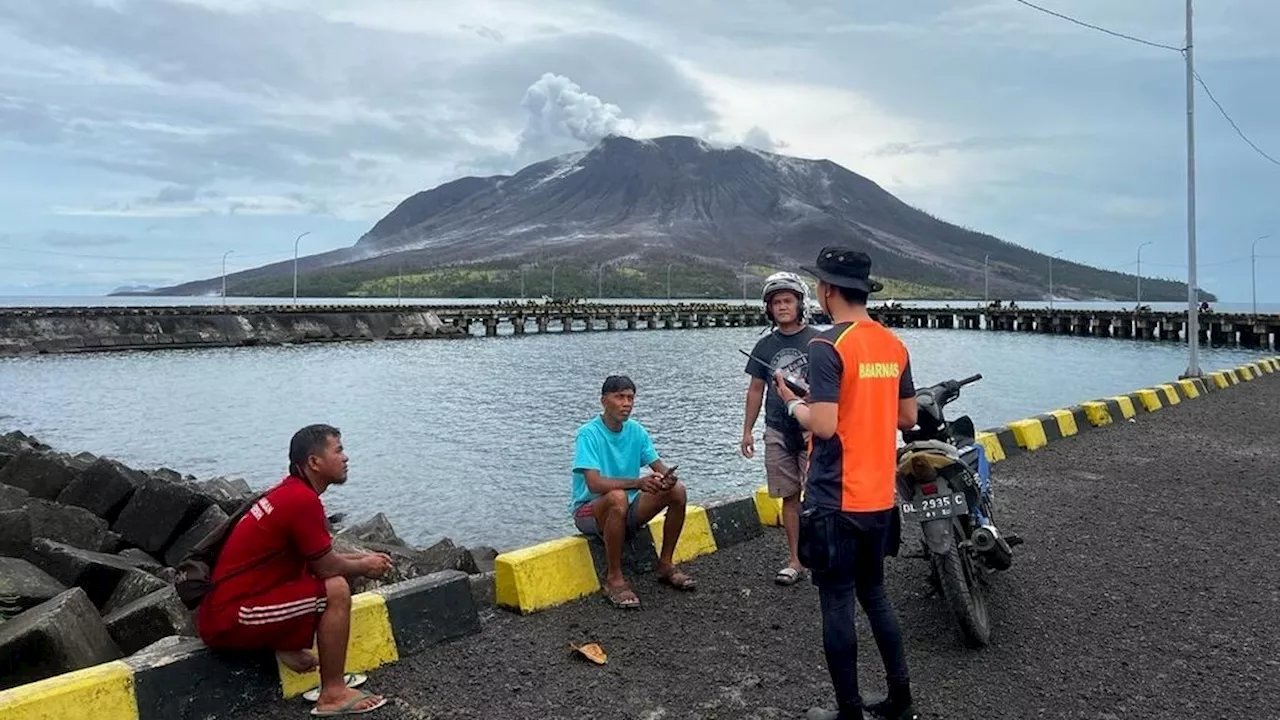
562	570
183	680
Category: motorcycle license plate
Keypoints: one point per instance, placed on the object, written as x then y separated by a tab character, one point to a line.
924	508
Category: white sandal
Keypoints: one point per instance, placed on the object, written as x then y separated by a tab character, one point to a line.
353	680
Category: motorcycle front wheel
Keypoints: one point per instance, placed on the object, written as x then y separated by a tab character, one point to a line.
963	595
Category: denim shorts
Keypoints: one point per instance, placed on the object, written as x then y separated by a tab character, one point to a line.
585	521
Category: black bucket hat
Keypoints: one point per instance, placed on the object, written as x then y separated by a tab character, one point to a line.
844	267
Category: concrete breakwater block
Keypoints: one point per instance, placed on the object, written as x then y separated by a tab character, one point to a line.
178	678
26	585
15	534
150	618
103	488
134	586
156	514
209	520
59	635
40	474
12	498
67	524
97	574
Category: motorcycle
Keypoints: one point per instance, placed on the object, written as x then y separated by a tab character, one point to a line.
944	482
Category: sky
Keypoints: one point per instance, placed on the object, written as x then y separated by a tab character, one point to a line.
142	140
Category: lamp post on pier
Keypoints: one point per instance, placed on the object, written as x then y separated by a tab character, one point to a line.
295	265
224	275
1140	274
1253	271
1052	255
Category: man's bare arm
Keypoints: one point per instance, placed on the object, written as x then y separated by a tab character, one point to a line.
333	564
755	399
599	485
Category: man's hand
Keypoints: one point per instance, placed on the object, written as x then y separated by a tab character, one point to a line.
376	565
652	484
784	392
747	445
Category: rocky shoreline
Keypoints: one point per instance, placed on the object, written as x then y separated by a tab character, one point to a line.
88	547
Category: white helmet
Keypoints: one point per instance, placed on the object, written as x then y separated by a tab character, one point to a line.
786	281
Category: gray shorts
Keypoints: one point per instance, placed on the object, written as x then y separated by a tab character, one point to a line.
784	471
586	523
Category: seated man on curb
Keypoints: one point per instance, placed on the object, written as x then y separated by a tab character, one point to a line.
612	501
278	585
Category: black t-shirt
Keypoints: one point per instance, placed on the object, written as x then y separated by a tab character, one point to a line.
788	353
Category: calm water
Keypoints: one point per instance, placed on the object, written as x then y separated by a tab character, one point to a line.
473	438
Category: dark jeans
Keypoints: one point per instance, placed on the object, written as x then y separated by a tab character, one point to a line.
847	551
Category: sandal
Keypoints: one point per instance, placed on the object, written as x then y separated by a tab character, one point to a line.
622	597
348	707
678	580
353	680
788	576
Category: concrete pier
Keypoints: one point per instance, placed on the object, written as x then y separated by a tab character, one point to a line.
90	329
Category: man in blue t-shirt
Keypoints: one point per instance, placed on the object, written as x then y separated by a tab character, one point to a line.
610	498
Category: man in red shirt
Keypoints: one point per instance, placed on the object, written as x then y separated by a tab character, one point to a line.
277	584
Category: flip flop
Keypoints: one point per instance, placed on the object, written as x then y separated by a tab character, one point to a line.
347	708
353	680
678	580
616	596
787	576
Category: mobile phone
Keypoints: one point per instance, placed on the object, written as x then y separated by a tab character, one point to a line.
666	476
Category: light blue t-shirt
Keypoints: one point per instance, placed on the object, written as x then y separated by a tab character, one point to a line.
618	455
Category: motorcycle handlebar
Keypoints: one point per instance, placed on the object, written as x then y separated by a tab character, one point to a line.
970	379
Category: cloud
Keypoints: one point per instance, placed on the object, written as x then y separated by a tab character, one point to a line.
759	138
60	239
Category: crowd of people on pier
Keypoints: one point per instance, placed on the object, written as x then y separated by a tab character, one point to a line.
833	403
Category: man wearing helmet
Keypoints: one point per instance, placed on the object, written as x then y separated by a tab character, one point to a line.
785	348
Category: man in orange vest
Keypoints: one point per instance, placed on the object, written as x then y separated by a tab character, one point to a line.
860	394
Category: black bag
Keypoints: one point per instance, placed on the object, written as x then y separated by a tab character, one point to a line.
195	572
816	547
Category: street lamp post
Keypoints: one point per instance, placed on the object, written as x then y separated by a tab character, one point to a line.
224	275
986	280
1193	297
669	280
600	282
295	265
744	279
1253	271
1051	257
553	281
1140	274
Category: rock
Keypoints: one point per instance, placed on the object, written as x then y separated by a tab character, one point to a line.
141	560
12	498
103	488
13	443
15	534
112	543
166	475
5	458
57	636
135	585
40	474
148	619
478	559
67	524
157	514
81	461
209	520
24	585
97	573
444	555
376	529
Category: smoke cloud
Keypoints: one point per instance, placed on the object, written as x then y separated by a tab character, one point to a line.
562	117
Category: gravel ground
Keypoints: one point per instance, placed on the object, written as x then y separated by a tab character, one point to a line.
1147	588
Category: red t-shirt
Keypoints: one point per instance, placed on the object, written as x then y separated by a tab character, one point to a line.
288	526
